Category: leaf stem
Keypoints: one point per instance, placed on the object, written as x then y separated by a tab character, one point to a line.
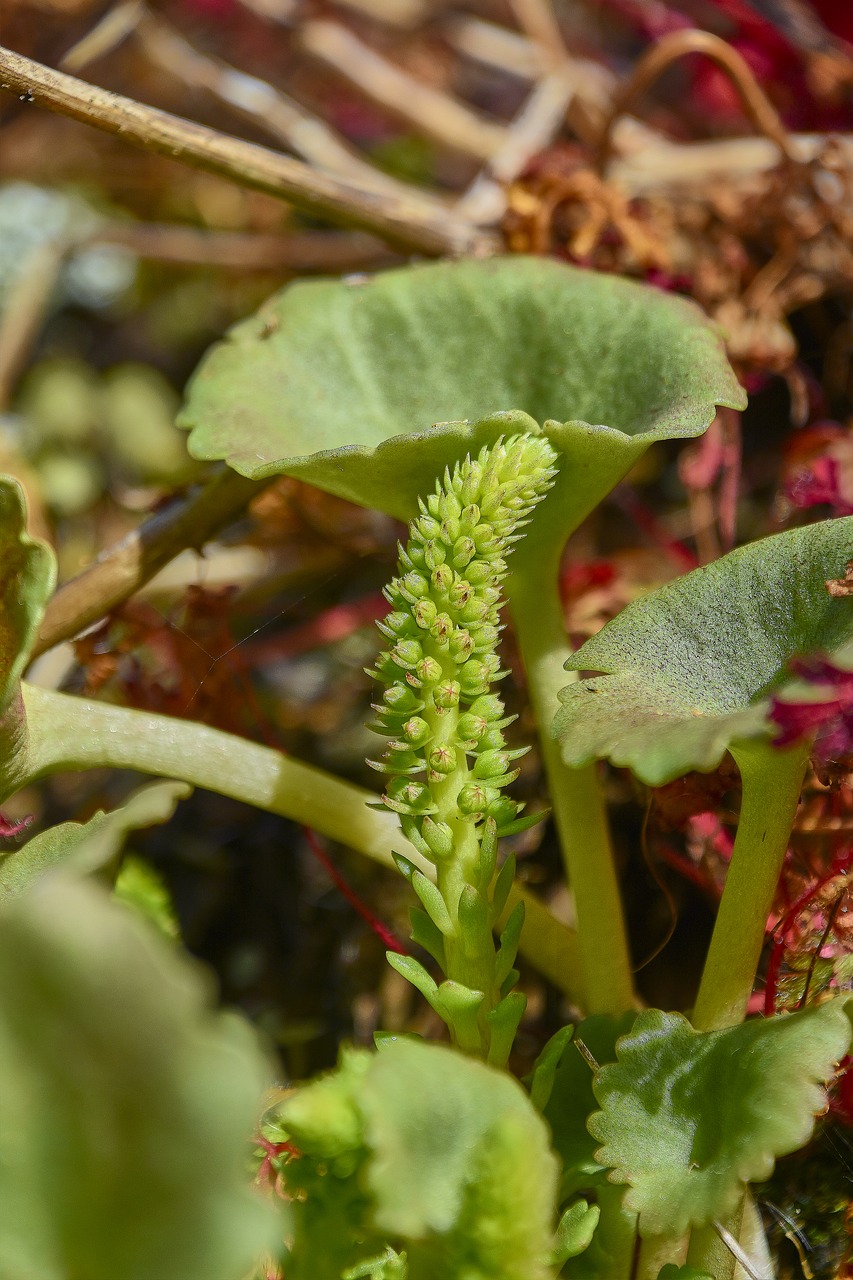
76	733
772	780
578	804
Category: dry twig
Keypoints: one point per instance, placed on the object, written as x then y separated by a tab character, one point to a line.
669	49
259	102
24	311
303	252
411	224
435	114
187	521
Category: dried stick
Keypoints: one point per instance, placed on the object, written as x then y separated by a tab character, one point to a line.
303	252
692	168
539	23
669	49
534	127
494	46
24	311
408	223
187	521
259	102
431	112
107	34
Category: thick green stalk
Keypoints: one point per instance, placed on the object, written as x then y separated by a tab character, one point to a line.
772	781
578	804
67	733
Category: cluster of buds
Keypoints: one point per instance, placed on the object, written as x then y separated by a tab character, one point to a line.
438	711
446	760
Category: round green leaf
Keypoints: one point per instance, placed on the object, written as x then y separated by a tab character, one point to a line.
86	846
459	1153
126	1105
688	1118
27	578
369	387
688	668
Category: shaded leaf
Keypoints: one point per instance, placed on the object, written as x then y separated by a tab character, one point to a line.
126	1104
87	846
571	1100
444	1155
459	1152
27	577
342	383
575	1232
688	1118
689	668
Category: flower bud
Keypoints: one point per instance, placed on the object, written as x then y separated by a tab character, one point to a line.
416	731
414	584
503	810
449	531
470	727
442	578
407	653
491	764
442	628
424	614
463	553
478	572
460	593
461	645
452	506
473	610
486	637
438	837
473	677
435	553
408	792
490	707
446	695
428	671
469	517
484	538
442	759
470	491
400	699
398	623
472	799
427	527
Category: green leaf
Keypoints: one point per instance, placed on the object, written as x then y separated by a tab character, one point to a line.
369	388
575	1232
27	578
126	1104
689	1118
141	887
89	845
672	1272
540	1082
571	1100
461	1164
688	668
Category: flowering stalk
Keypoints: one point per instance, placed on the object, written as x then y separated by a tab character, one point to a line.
447	761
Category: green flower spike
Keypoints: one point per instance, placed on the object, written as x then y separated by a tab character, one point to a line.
447	761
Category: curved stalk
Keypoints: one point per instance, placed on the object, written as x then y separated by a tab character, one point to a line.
578	805
772	780
66	733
